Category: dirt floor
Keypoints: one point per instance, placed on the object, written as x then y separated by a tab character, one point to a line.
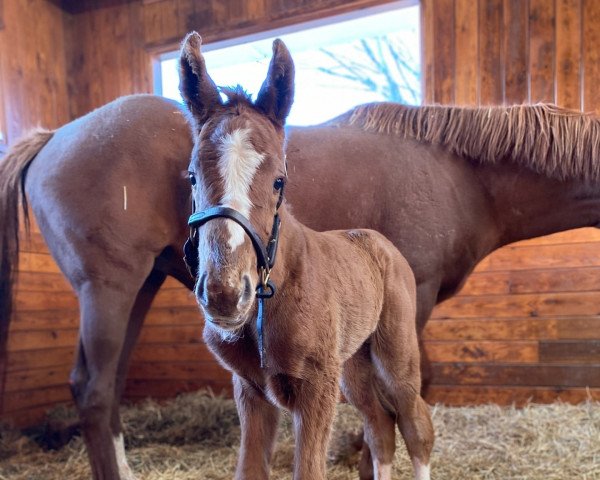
196	437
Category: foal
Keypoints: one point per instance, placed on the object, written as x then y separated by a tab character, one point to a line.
344	304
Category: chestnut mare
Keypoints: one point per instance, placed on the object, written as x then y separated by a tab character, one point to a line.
446	185
345	303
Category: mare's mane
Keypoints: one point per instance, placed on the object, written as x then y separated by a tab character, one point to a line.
553	141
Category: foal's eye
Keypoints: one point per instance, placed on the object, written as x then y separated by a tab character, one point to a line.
278	185
192	178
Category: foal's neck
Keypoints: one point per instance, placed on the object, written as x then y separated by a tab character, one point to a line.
292	245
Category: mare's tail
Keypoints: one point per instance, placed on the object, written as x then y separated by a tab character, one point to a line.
13	168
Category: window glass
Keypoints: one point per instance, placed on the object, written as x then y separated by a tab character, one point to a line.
374	57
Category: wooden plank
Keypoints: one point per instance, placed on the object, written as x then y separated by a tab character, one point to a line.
176	315
482	351
591	55
555	280
463	395
521	305
32	242
541	50
33	225
174	297
532	281
570	351
29	301
542	256
178	371
15	401
45	320
42	282
41	339
491	82
27	417
541	375
37	378
578	235
32	359
443	53
516	62
487	283
37	262
168	335
428	36
467	46
172	282
568	53
551	328
138	389
175	352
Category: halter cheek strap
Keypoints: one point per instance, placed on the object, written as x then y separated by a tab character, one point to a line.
265	256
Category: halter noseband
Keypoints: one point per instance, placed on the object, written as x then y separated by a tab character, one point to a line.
265	256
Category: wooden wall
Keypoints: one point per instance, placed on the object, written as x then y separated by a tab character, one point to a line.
33	91
524	326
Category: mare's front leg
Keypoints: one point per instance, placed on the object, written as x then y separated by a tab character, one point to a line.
258	420
313	410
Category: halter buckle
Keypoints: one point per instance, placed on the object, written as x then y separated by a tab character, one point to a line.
264	275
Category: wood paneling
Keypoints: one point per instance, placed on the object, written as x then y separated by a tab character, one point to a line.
542	50
526	322
33	66
491	28
33	91
568	53
525	325
515	36
130	34
467	46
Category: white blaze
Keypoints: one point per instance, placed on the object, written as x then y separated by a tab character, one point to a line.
237	166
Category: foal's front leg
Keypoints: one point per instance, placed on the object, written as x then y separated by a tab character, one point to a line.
259	420
313	412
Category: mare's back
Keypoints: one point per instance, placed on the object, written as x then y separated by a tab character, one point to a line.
427	201
121	165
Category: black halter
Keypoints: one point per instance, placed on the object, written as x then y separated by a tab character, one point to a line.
265	256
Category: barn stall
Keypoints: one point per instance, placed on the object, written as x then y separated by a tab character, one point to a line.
524	327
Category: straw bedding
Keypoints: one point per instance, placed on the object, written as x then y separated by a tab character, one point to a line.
196	437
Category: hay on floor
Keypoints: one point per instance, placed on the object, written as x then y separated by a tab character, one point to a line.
197	435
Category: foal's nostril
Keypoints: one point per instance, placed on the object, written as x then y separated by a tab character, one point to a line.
201	289
247	292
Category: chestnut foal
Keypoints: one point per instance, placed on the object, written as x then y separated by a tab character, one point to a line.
345	300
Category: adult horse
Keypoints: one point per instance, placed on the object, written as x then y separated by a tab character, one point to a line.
446	185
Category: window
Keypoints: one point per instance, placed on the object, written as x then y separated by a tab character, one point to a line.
339	64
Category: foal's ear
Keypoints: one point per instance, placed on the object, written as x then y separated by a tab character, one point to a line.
197	88
276	95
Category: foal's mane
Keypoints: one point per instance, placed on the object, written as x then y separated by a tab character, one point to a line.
553	141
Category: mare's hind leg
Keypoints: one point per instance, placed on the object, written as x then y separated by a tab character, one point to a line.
360	390
105	310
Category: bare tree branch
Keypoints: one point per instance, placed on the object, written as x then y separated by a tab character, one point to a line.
380	65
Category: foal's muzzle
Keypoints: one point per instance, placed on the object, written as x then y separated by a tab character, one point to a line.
223	304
